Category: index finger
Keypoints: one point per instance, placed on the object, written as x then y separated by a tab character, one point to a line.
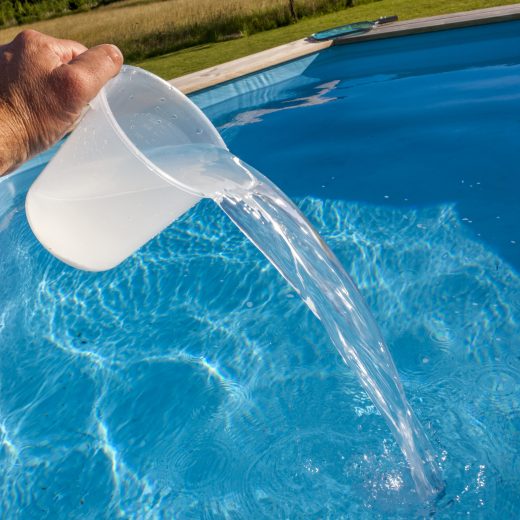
69	50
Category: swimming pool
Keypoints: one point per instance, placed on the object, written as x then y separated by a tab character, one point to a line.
192	382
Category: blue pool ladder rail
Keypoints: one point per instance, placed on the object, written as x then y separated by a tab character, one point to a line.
352	28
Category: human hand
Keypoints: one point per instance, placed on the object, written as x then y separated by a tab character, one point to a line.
45	83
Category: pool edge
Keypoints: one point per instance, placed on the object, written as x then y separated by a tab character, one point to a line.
234	69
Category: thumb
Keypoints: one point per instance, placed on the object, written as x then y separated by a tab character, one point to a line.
82	78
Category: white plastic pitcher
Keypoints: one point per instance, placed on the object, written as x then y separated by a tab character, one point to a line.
103	196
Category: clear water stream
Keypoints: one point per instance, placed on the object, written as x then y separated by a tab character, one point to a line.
282	233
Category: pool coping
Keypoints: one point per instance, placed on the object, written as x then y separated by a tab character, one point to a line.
234	69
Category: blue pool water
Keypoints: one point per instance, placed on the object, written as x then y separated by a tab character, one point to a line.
191	382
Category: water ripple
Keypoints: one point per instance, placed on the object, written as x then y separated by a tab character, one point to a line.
169	355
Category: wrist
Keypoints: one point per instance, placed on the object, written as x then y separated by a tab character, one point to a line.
13	150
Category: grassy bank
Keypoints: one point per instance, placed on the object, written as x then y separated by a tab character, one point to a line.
143	28
210	32
201	57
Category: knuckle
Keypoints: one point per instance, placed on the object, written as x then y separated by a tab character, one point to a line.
27	36
26	41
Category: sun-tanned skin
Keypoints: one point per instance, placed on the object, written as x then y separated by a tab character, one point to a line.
45	83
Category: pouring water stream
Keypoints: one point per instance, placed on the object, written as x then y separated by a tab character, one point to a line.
281	232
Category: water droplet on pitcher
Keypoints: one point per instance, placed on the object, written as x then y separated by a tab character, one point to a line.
131	96
199	131
162	100
174	116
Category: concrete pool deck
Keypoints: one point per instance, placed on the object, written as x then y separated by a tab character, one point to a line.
262	60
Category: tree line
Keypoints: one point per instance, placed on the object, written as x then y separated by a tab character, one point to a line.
15	12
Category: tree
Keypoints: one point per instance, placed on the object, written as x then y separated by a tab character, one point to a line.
292	10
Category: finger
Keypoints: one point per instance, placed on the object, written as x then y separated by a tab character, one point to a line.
69	49
84	76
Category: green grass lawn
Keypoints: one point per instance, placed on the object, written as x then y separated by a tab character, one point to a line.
203	56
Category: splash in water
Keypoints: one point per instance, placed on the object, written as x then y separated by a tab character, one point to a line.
281	232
